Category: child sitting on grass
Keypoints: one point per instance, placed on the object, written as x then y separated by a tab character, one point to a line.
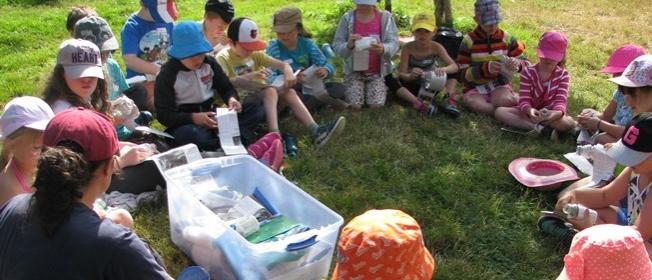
634	150
543	94
421	55
485	54
365	81
245	60
294	46
612	121
21	131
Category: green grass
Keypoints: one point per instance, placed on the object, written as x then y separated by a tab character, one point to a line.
449	174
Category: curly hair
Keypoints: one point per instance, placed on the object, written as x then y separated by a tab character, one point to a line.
61	174
57	88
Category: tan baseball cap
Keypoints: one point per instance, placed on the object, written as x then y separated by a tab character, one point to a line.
286	19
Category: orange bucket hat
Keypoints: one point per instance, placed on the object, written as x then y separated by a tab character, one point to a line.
383	244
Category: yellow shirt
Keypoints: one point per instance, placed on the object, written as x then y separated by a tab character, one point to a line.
235	65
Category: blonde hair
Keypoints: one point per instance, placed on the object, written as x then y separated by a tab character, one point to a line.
28	134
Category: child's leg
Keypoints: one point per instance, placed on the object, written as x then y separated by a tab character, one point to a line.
478	102
299	110
503	96
375	92
270	102
512	116
577	184
563	124
354	90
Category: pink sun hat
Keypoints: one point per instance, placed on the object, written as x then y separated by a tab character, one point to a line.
543	174
622	57
552	45
607	252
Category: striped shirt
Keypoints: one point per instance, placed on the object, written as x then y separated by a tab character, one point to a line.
551	94
477	50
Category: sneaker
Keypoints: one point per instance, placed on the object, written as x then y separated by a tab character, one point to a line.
327	131
289	145
259	148
451	109
555	225
273	157
144	118
546	132
429	110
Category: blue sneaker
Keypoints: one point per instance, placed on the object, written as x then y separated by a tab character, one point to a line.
327	131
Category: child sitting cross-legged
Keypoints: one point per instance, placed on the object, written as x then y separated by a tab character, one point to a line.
245	60
543	94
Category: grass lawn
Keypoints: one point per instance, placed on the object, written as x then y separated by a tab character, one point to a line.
451	175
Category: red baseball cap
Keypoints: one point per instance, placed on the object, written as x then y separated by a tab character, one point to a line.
92	131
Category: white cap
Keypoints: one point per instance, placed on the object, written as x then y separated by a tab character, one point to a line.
80	59
27	111
637	74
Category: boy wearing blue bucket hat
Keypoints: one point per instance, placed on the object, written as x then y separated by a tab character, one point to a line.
185	90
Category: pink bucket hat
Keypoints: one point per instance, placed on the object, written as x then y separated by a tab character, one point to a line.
607	252
544	174
621	57
552	45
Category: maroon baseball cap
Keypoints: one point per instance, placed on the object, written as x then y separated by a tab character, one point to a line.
92	131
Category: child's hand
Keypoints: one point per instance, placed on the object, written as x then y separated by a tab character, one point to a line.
512	64
566	199
322	73
534	115
290	81
495	66
588	112
234	104
352	38
257	75
206	119
416	73
135	154
588	121
377	48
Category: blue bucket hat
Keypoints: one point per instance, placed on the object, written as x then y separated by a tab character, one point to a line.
488	11
188	40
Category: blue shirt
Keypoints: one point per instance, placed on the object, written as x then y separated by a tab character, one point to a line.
116	82
303	56
84	247
147	40
623	112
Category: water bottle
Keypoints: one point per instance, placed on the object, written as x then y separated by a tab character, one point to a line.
328	51
290	145
576	211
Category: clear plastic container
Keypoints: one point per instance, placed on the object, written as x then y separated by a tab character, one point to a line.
223	252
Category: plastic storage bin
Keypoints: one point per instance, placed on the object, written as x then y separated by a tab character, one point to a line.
223	252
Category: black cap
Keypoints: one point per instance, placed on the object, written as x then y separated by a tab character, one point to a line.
636	144
224	8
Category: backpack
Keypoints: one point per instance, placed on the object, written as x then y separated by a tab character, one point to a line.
450	39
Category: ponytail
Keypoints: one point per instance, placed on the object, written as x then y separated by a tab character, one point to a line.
61	175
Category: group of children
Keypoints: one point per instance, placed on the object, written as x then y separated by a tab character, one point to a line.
175	71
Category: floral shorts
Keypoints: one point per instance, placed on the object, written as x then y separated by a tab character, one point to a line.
362	88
